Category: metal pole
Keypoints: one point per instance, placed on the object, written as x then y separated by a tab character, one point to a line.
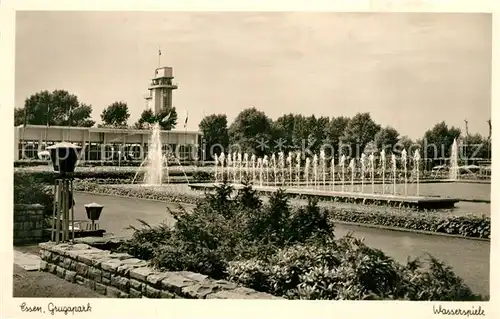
54	210
59	209
64	211
72	214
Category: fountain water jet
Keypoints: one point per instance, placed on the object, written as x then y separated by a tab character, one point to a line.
372	171
363	169
155	159
416	159
252	159
393	162
260	168
306	171
352	166
322	157
315	170
404	160
216	160
454	161
222	159
289	163
382	160
297	159
342	165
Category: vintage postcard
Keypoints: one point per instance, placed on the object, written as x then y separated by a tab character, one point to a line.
257	159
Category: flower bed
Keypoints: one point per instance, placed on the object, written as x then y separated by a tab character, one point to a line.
112	176
467	226
170	194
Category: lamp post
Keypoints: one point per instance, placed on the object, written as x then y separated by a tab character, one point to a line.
64	157
94	211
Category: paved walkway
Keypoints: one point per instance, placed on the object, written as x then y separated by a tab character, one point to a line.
29	262
470	259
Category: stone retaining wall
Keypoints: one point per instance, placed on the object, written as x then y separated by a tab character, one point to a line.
120	275
29	223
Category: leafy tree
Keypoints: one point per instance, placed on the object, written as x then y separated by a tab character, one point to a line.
476	147
335	130
58	108
284	127
251	131
147	117
166	118
360	130
116	114
438	140
316	128
215	132
386	138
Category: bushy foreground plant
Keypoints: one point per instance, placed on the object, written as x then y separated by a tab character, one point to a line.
286	251
347	269
223	228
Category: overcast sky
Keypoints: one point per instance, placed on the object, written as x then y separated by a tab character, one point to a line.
409	71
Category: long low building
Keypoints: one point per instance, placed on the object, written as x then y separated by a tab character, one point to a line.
105	144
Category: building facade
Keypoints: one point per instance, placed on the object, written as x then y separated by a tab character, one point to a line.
109	144
105	144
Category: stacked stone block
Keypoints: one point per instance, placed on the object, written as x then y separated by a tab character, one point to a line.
29	224
120	275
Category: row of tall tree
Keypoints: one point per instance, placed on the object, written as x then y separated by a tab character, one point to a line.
254	132
60	108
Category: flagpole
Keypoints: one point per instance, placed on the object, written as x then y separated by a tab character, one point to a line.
24	130
47	127
159	57
185	132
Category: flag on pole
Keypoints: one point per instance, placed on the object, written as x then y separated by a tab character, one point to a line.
166	118
159	52
186	121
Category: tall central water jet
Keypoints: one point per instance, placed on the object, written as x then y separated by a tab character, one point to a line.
155	159
454	161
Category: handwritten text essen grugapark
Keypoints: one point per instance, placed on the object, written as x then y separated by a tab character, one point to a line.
53	308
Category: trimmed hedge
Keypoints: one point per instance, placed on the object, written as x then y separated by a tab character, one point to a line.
161	194
467	226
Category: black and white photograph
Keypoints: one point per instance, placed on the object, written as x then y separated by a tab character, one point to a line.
279	155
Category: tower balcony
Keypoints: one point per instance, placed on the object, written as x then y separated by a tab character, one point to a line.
171	86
